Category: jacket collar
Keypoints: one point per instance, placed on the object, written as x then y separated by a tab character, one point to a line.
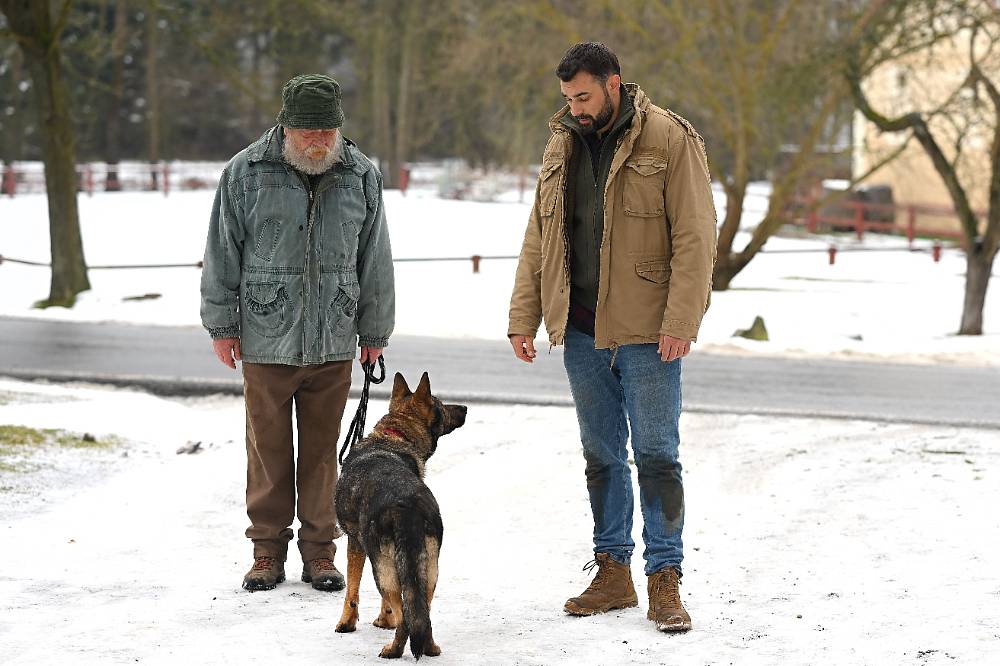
270	144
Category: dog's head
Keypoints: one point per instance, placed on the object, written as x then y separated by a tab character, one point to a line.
420	411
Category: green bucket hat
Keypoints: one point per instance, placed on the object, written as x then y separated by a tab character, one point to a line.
311	101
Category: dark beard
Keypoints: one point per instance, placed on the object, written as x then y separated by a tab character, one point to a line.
603	118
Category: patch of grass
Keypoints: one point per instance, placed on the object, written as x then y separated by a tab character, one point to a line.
11	435
19	443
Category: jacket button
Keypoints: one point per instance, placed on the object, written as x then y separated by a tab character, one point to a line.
300	227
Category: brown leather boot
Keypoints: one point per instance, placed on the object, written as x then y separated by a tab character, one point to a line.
265	574
665	607
323	575
611	588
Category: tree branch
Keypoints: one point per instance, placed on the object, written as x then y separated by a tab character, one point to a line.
914	121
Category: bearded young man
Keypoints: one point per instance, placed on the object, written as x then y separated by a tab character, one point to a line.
297	275
617	258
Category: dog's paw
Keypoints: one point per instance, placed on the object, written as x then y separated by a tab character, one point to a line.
345	627
384	622
433	650
390	651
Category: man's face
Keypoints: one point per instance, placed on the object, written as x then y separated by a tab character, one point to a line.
590	101
315	144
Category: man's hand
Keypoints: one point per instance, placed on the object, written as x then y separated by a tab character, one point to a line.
671	348
228	350
370	354
524	347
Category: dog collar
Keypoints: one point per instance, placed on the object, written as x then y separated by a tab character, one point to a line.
392	432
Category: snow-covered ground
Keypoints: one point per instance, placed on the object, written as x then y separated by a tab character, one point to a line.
808	542
890	305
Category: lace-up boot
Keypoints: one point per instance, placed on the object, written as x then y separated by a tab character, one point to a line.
611	588
265	574
322	574
665	607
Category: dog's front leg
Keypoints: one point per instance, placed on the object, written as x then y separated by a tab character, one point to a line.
355	567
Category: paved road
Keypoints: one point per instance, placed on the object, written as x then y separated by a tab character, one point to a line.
178	361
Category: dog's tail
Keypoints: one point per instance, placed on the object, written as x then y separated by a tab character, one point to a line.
409	535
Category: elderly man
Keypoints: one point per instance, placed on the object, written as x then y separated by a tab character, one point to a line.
297	274
618	258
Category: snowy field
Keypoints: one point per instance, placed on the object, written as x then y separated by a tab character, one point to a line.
807	541
888	305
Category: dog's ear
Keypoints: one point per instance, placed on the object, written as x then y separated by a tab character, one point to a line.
423	392
400	389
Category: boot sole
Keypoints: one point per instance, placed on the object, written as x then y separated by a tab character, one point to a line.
580	611
673	628
253	586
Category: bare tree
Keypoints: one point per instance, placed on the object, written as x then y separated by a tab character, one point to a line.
112	121
37	31
953	120
760	80
153	93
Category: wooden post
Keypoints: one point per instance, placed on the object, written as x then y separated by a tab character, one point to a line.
812	218
404	179
832	252
936	251
859	219
166	179
475	263
9	180
911	223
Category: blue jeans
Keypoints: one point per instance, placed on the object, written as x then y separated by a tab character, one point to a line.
643	392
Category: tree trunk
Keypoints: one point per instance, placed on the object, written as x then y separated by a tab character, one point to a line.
153	96
727	266
13	138
735	197
382	98
112	139
979	268
404	96
39	40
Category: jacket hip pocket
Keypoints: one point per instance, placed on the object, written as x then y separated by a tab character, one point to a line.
644	183
654	271
266	308
343	309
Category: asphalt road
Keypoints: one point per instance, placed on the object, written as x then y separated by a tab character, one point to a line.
179	361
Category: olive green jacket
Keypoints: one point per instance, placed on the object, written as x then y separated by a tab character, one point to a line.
658	245
301	277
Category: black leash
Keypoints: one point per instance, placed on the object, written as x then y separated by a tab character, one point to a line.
357	429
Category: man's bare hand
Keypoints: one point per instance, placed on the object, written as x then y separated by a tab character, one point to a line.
524	347
671	348
227	350
370	354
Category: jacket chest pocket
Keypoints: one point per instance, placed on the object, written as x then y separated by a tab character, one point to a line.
549	184
644	183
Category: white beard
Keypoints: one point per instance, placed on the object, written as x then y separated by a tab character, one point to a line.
310	166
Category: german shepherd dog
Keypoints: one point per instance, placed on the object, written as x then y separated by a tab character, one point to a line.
392	518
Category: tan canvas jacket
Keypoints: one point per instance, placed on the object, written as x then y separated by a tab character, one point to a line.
658	247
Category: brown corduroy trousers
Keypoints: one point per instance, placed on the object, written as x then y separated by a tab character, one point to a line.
320	395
